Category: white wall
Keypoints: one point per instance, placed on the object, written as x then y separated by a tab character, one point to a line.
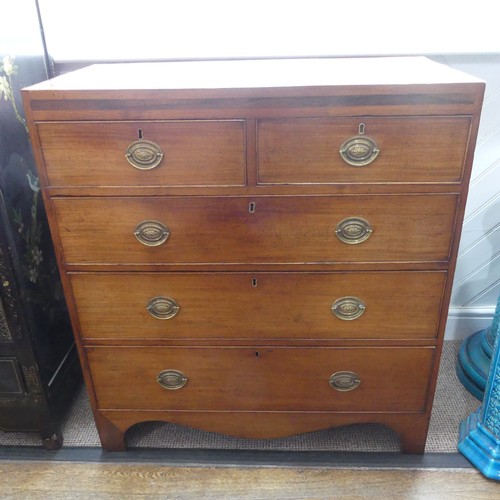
477	278
184	29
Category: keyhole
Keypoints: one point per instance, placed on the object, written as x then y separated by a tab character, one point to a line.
257	354
254	282
251	207
140	135
361	129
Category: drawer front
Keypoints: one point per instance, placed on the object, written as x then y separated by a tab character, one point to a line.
191	153
262	378
410	149
246	230
370	305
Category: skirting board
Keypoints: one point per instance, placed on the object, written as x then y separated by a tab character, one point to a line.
463	321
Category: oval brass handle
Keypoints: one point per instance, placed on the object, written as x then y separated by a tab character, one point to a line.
353	230
144	155
348	308
151	233
359	151
162	307
171	379
344	381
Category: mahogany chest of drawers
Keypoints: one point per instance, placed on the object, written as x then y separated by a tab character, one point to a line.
259	248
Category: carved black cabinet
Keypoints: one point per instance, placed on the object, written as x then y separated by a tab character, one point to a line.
39	368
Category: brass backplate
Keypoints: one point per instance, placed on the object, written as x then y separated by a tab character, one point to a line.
162	307
144	155
359	151
348	308
353	230
151	233
344	381
171	379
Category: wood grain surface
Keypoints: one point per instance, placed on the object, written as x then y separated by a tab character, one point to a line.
412	149
243	305
195	153
261	378
282	229
61	480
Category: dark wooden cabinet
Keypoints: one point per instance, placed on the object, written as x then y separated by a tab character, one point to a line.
39	366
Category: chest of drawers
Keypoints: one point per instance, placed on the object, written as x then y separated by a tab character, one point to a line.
259	248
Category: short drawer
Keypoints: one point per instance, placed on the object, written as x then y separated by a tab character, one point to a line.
156	153
399	149
262	378
281	229
357	305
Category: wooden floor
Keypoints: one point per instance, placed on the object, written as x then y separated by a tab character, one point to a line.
77	480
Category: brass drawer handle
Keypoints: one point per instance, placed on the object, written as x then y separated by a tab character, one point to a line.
162	307
353	230
344	381
151	233
359	151
144	155
348	308
171	379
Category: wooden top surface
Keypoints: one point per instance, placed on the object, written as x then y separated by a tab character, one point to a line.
255	74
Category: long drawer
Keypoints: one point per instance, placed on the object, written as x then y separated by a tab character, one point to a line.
357	305
278	229
188	153
261	378
388	149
